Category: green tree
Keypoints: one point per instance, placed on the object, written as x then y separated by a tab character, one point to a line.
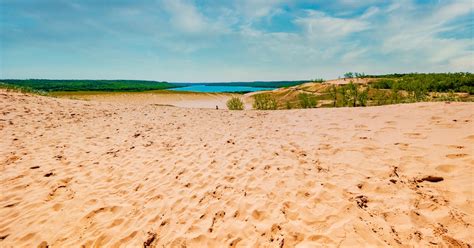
348	75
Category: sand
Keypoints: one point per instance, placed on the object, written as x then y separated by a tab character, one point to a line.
160	97
117	174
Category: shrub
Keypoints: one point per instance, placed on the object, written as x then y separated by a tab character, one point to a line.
353	92
318	80
362	96
22	89
381	97
395	96
383	84
264	102
288	105
307	100
235	103
344	95
448	97
333	92
420	91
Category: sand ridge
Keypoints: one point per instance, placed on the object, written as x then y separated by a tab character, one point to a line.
105	174
164	98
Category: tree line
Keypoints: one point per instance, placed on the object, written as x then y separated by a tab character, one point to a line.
87	85
431	82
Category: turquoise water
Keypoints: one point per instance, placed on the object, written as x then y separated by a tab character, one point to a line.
219	88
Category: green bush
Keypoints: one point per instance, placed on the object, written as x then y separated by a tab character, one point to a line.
381	97
383	84
264	102
307	100
420	91
432	82
447	97
363	96
343	90
235	103
353	93
333	93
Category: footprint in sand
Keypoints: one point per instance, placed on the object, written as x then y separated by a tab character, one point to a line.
235	242
218	216
415	135
456	155
456	147
446	168
401	144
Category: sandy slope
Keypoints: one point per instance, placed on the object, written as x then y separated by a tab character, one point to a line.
177	99
103	174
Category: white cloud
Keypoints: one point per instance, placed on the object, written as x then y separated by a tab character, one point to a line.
253	9
463	63
185	16
414	35
319	25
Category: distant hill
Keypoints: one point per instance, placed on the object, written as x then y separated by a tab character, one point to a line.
87	85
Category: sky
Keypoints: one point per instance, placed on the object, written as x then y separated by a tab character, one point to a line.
232	40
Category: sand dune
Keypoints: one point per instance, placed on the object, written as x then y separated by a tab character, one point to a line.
177	99
105	174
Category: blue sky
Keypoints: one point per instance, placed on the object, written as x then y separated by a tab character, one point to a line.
240	40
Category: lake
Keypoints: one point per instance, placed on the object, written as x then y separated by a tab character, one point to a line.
219	88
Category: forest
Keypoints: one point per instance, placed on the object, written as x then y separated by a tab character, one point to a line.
48	85
431	82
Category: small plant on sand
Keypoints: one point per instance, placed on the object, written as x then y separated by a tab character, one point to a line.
381	97
420	91
447	97
344	95
353	93
395	95
362	96
317	80
333	92
235	103
264	102
22	89
307	100
417	92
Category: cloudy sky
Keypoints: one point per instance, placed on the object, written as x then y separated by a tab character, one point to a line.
240	40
